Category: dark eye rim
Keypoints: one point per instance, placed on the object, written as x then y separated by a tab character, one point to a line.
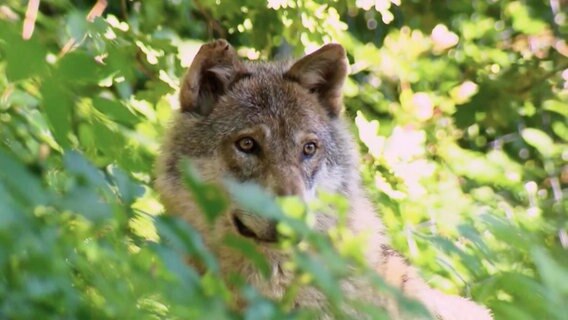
252	149
315	148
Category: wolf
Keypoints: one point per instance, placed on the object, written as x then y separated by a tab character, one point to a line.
280	125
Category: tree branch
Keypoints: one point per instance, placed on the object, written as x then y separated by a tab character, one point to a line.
29	21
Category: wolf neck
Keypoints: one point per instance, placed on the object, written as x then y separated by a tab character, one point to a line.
362	218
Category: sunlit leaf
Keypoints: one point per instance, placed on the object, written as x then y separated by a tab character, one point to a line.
539	140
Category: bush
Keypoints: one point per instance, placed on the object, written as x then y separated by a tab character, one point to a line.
460	109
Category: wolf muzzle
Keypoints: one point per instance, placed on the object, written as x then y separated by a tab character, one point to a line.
254	226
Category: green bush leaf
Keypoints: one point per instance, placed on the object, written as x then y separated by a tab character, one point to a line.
539	140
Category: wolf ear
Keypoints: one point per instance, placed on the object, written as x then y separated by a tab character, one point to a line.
323	73
214	67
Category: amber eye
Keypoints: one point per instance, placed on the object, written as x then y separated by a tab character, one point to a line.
309	149
247	145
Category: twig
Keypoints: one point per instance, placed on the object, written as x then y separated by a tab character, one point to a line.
69	45
123	9
96	11
213	25
29	21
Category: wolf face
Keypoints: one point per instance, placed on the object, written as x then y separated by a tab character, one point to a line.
274	124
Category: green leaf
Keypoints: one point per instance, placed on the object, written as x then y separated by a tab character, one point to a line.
208	196
77	25
255	199
322	276
186	240
128	189
250	251
25	58
58	107
554	275
116	111
76	68
87	202
559	107
539	140
79	166
19	182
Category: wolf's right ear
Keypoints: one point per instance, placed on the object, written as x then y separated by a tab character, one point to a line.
323	73
214	67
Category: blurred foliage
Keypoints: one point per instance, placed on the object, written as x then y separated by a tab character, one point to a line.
461	109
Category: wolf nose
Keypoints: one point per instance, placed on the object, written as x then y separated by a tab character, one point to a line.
283	190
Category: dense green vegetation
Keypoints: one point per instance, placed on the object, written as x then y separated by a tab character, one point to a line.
461	109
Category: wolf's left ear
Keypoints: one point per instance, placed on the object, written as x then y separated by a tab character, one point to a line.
323	73
213	69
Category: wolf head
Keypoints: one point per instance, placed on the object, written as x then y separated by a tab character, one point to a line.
276	124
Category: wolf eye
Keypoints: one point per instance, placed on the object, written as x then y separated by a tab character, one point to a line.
310	149
246	145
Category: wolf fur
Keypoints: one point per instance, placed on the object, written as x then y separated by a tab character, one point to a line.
279	124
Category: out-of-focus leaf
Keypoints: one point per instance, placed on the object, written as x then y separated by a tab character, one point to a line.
539	140
207	196
79	166
129	190
321	276
58	106
467	166
255	199
186	240
86	202
555	277
247	249
556	106
20	182
24	58
115	110
78	68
